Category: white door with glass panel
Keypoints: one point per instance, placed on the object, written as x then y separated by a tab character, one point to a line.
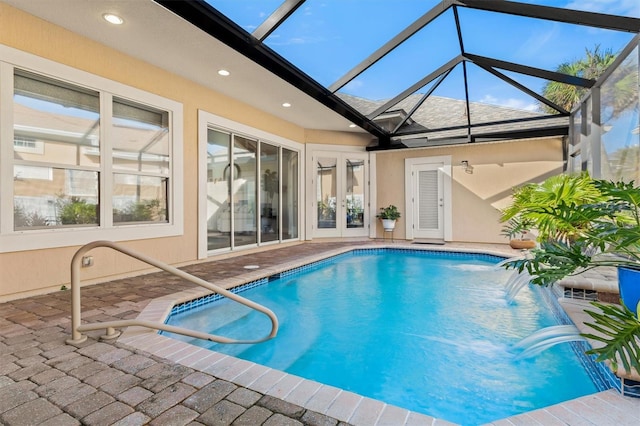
341	186
428	201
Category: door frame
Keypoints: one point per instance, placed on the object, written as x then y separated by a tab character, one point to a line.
318	150
444	171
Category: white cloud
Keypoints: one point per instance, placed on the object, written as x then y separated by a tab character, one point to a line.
612	7
513	103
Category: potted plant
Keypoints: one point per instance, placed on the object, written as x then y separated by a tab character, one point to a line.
518	231
388	215
602	229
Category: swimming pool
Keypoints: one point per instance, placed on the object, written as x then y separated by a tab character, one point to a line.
439	346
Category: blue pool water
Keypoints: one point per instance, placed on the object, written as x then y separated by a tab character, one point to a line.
427	331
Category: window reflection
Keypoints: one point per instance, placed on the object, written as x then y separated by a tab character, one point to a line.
355	193
139	198
140	146
57	124
54	197
289	194
244	191
244	207
270	193
140	138
326	196
620	126
218	190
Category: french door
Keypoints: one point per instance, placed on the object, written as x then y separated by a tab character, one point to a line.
341	187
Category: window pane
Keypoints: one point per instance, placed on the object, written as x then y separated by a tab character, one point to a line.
138	198
270	194
218	190
52	197
244	191
327	192
289	194
140	138
355	193
55	122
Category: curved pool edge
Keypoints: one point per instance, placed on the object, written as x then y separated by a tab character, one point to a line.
333	402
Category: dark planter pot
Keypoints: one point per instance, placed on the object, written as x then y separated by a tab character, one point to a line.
629	286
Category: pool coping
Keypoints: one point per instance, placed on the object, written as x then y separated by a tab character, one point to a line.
329	400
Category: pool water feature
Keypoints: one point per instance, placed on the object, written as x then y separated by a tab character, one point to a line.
428	331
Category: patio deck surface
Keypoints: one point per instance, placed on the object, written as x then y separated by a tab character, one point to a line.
44	381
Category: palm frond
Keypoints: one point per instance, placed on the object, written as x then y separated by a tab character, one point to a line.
619	330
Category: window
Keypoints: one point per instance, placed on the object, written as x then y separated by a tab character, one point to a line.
64	119
92	157
141	151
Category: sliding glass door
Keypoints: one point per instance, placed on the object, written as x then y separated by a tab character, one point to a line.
252	191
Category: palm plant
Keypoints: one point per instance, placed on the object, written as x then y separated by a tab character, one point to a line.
587	235
533	206
599	226
592	66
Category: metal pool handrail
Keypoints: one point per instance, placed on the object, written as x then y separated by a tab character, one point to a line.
76	315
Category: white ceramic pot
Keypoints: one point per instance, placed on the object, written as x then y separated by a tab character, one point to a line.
388	224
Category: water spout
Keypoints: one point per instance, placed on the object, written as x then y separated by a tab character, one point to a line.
515	283
545	338
501	264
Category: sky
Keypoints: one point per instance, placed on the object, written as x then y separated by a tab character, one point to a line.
326	38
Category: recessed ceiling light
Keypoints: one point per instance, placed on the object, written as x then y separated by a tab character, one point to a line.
223	73
286	105
352	125
113	19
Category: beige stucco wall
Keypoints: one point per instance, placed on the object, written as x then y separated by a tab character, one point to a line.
476	198
337	138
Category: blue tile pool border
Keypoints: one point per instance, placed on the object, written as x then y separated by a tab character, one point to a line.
602	377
